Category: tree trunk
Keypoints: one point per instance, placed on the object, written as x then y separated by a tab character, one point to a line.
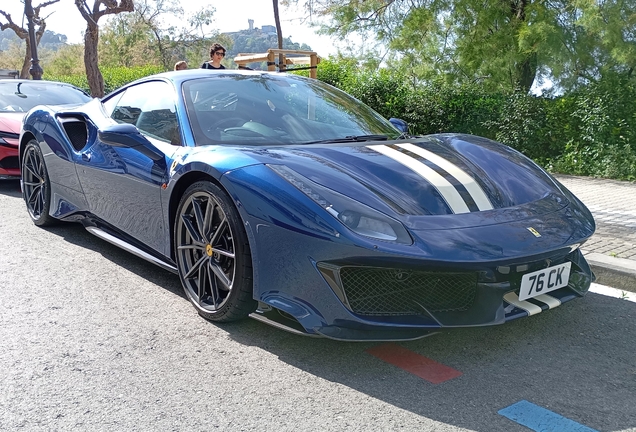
279	34
91	61
24	72
526	72
165	60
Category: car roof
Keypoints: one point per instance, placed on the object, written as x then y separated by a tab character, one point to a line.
179	77
45	82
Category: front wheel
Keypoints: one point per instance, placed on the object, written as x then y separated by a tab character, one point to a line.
213	255
36	186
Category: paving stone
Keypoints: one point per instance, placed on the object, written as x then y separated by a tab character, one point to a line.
613	204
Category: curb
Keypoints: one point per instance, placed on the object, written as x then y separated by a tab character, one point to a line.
615	272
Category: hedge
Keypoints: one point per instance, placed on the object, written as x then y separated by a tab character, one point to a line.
114	77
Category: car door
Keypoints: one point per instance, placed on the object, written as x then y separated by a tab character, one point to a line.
122	183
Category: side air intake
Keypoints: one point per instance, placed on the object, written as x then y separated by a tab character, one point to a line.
76	130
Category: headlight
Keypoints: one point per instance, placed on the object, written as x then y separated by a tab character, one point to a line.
359	218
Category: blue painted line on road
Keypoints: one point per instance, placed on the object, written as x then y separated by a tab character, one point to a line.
540	419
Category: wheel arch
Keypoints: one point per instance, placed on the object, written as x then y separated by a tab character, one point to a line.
177	192
26	137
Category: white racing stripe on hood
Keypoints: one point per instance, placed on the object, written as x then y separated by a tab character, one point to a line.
473	188
443	186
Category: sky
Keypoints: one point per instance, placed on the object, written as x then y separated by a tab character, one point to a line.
231	15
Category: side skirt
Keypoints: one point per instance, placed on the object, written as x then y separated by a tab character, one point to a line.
130	248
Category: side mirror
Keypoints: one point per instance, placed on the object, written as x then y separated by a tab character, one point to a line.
128	136
399	124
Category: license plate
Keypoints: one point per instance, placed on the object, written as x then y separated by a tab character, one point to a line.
544	281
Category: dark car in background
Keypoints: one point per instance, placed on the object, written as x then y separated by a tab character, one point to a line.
18	96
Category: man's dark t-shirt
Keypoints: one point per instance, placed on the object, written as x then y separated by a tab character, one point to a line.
208	65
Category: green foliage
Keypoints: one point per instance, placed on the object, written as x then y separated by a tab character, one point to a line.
148	36
436	108
68	60
602	131
114	77
335	71
12	57
522	124
504	45
428	108
382	90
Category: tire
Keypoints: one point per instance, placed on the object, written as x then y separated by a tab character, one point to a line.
213	254
36	185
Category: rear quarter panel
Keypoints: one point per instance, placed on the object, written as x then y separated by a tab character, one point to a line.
66	193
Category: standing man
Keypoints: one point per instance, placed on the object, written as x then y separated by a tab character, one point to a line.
217	52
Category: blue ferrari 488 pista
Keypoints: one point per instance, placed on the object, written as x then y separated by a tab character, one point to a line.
284	199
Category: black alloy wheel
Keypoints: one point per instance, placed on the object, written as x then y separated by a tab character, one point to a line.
213	254
36	186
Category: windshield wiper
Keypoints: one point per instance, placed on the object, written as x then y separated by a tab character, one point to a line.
351	138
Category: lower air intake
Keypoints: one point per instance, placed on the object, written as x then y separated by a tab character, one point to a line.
382	291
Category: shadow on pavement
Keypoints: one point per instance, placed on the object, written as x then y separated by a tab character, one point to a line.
76	234
10	188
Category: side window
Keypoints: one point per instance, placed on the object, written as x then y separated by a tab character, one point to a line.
111	103
149	106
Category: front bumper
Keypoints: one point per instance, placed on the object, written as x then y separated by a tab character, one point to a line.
318	293
303	260
9	164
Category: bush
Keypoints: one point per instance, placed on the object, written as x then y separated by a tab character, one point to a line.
336	72
522	123
114	77
601	131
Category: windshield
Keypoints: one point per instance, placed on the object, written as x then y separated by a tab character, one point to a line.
23	95
286	109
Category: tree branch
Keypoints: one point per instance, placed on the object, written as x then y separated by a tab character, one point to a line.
18	30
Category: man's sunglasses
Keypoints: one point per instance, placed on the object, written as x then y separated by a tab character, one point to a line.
221	53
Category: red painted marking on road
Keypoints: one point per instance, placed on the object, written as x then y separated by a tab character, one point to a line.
423	367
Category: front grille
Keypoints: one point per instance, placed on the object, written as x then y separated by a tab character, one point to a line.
382	291
10	162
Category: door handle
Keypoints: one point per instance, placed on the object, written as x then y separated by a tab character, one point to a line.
86	157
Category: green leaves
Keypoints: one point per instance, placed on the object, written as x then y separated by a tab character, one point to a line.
114	77
502	44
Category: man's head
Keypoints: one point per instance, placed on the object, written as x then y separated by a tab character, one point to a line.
217	50
180	65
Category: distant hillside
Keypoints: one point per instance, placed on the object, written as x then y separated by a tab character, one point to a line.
50	40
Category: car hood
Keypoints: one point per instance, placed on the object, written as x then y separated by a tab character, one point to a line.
447	180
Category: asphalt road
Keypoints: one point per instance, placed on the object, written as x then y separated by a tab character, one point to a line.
93	338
